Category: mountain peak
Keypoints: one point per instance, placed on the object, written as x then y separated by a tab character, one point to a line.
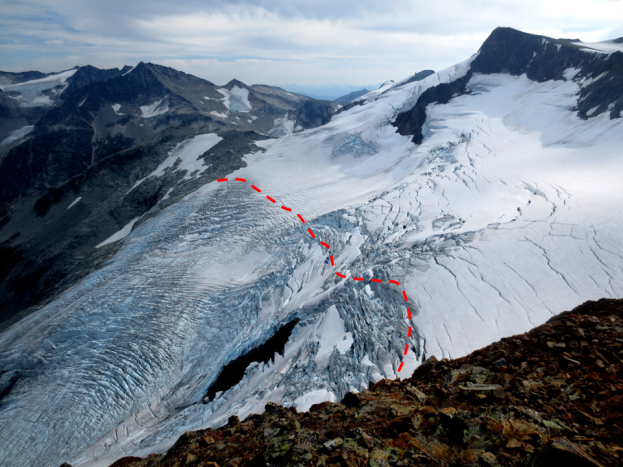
235	82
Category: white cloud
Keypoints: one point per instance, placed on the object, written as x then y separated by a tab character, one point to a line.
283	41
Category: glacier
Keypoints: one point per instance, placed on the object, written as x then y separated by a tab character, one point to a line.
31	93
508	213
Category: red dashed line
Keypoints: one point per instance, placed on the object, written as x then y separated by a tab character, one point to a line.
404	294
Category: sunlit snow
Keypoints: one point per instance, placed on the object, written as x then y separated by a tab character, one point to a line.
218	114
17	134
304	402
74	202
331	335
187	152
606	47
157	108
508	213
121	234
31	92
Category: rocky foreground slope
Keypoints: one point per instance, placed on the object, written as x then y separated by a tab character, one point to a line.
549	397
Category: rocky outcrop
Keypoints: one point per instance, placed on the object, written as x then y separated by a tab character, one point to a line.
233	372
105	131
50	246
548	397
419	76
412	122
314	113
350	97
540	58
8	77
15	114
88	74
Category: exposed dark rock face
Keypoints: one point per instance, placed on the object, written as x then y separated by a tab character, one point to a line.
412	122
49	247
350	106
85	129
542	59
59	149
13	116
545	398
20	77
315	113
7	381
233	372
107	130
87	75
350	97
419	76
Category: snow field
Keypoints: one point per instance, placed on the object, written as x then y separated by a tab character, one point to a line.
236	99
187	152
31	91
159	107
506	214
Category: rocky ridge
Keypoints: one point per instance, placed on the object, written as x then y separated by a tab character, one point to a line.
98	135
541	59
551	396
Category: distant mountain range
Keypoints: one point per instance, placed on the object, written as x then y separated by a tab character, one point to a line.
152	260
331	92
61	134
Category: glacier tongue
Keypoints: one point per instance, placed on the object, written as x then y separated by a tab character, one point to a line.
506	214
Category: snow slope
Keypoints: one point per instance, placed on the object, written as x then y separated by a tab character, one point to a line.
507	214
119	235
606	47
17	134
153	110
31	93
236	99
185	156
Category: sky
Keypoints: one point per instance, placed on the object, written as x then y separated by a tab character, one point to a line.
319	42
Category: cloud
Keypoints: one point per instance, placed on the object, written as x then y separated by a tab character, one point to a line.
279	41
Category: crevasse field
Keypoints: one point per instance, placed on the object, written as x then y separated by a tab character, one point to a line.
507	214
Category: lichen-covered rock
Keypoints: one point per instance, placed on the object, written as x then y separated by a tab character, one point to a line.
517	402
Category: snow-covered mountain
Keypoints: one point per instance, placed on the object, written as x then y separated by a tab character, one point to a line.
90	135
490	191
